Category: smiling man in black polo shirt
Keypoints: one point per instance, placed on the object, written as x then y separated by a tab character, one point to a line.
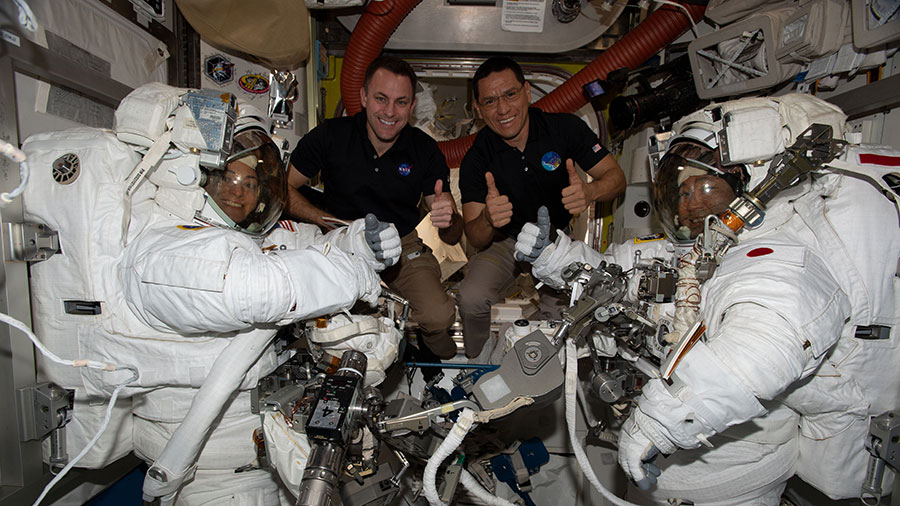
523	160
375	162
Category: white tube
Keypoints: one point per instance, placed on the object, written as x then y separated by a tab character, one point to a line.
476	489
177	458
455	438
571	387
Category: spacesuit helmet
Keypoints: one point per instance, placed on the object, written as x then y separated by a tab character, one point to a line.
691	182
250	192
733	141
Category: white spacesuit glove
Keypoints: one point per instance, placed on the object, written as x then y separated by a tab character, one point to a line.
383	239
637	451
533	238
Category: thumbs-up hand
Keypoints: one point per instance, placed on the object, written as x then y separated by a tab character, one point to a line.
534	237
574	196
497	208
383	239
441	207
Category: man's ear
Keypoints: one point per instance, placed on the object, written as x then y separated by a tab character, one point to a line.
477	110
362	96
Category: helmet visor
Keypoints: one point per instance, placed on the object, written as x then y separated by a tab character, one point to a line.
689	186
250	192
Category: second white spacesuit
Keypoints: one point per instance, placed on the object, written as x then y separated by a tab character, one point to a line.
800	322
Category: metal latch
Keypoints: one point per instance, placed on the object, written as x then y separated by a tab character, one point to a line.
31	242
44	407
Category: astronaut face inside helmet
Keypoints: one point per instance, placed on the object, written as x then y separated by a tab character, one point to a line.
692	184
250	192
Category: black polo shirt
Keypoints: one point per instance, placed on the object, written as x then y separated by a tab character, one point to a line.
536	177
357	181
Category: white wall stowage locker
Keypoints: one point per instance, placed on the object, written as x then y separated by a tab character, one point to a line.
97	38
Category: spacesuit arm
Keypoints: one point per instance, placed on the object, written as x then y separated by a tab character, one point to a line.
220	281
755	352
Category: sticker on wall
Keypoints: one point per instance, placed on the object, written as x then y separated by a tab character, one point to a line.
550	161
219	69
254	83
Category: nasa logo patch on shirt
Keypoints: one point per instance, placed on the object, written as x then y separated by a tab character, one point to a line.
404	169
192	227
550	161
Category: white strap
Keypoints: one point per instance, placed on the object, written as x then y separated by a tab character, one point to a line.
338	335
140	172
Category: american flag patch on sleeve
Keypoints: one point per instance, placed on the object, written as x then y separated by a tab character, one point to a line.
596	148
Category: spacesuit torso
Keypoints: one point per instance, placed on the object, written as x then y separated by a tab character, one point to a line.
830	277
789	312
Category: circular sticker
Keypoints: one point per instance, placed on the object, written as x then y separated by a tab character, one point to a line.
254	83
550	161
404	169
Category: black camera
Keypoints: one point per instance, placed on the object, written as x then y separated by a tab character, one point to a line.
672	98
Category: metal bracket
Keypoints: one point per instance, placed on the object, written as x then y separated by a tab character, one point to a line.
44	408
882	444
31	242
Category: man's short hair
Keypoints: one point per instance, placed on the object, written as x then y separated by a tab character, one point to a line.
496	64
393	65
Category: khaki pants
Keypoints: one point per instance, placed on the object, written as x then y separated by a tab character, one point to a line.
487	273
417	278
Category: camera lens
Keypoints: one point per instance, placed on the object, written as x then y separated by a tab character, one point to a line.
642	209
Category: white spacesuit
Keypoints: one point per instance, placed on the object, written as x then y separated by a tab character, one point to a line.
192	294
800	348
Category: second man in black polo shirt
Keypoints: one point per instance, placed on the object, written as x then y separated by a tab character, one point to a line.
521	161
375	162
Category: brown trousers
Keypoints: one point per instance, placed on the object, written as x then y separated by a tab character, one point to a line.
417	278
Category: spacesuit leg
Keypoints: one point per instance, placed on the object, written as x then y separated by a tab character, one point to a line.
215	487
418	279
229	447
487	273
